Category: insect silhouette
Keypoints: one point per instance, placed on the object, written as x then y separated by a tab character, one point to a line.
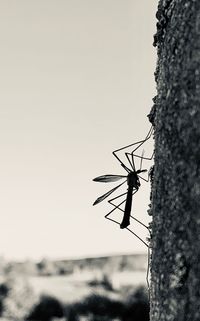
132	178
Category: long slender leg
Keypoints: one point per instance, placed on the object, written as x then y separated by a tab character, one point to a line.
131	162
122	164
139	142
118	207
148	270
146	158
106	216
112	220
148	255
109	201
118	196
134	218
142	142
141	157
144	179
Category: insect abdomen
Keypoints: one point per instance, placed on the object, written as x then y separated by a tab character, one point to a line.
127	212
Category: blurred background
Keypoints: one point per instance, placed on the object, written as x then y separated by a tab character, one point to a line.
76	83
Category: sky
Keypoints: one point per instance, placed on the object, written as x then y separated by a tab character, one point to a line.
76	83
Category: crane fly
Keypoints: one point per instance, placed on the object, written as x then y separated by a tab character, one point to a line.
133	183
132	179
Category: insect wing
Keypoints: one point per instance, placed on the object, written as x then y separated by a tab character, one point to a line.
101	198
108	178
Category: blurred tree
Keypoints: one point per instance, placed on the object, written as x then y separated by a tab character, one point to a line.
46	309
175	288
4	290
16	298
136	306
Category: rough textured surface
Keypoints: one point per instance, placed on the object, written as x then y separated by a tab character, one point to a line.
175	265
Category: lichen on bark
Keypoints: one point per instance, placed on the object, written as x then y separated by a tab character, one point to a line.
175	207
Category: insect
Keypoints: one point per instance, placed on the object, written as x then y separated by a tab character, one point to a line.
133	181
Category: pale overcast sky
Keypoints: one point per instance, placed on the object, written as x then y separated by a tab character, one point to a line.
76	82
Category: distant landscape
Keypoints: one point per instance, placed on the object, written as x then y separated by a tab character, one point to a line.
26	286
46	267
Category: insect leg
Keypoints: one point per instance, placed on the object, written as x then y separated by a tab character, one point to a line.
139	142
122	164
148	270
118	207
144	140
124	147
131	162
147	137
144	179
139	238
147	158
112	220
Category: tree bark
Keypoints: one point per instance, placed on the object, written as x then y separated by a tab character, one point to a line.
175	207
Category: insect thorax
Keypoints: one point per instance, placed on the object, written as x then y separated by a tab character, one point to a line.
133	180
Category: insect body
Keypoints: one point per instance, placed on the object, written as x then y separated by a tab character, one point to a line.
133	181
